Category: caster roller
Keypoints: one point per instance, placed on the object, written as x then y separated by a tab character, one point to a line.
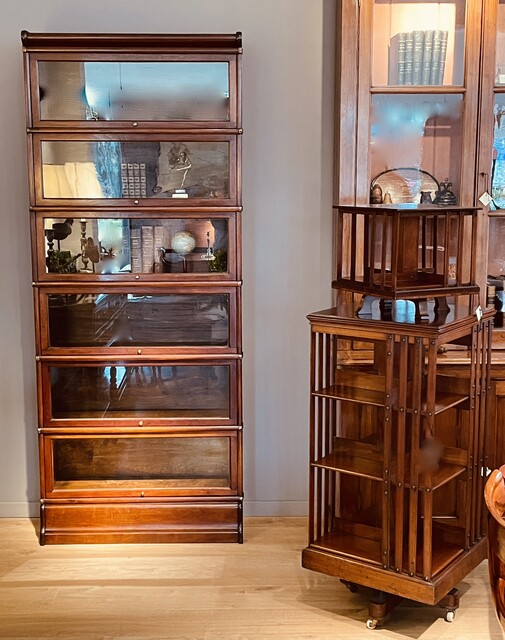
449	616
371	623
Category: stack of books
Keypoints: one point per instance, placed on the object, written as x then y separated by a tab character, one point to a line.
417	57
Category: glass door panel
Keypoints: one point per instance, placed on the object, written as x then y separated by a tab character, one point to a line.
107	169
107	246
156	391
414	131
115	320
149	463
500	44
418	43
133	91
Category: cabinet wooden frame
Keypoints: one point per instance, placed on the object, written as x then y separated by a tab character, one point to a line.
232	274
234	108
160	417
232	294
232	142
195	400
147	488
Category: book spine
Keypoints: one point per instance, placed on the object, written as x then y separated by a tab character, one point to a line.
136	250
396	71
409	57
443	53
158	243
147	249
417	56
427	57
435	59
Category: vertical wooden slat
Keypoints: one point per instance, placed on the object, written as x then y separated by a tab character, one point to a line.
429	431
386	464
371	253
353	251
395	248
473	435
447	239
400	452
384	247
327	438
319	434
460	235
417	374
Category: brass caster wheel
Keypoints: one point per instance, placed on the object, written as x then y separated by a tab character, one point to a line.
371	623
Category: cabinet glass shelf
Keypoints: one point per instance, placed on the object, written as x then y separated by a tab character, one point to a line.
86	247
169	169
156	391
129	90
118	320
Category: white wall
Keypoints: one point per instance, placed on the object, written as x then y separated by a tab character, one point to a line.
287	175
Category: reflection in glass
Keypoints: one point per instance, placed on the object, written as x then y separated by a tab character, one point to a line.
162	462
418	43
108	246
128	319
150	91
498	166
178	391
500	44
417	131
107	169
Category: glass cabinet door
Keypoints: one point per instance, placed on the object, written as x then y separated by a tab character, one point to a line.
92	92
170	170
86	248
154	393
418	91
418	43
135	321
145	466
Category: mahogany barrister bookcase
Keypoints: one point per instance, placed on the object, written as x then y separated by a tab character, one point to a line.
134	155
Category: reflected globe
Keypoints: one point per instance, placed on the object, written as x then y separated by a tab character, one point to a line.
183	243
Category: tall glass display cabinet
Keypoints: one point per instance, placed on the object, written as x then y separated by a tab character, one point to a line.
134	155
402	367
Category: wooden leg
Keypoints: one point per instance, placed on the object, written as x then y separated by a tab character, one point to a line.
450	603
421	306
379	607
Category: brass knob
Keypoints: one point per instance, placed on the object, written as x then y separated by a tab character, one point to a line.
137	277
139	351
141	423
141	494
135	124
135	202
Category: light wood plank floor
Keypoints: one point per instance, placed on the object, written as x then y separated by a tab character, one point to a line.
253	591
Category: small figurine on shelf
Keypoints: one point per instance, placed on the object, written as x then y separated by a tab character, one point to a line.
426	197
376	194
444	195
387	198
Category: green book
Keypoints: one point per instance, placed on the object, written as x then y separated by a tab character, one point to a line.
427	57
417	56
396	71
409	57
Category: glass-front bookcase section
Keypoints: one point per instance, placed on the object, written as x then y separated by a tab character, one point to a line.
149	465
134	322
128	248
154	394
174	171
416	147
93	92
418	43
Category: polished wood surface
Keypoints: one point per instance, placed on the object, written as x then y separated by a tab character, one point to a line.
495	502
254	591
122	426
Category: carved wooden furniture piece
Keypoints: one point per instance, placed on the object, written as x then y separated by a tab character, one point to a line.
495	502
397	451
135	202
